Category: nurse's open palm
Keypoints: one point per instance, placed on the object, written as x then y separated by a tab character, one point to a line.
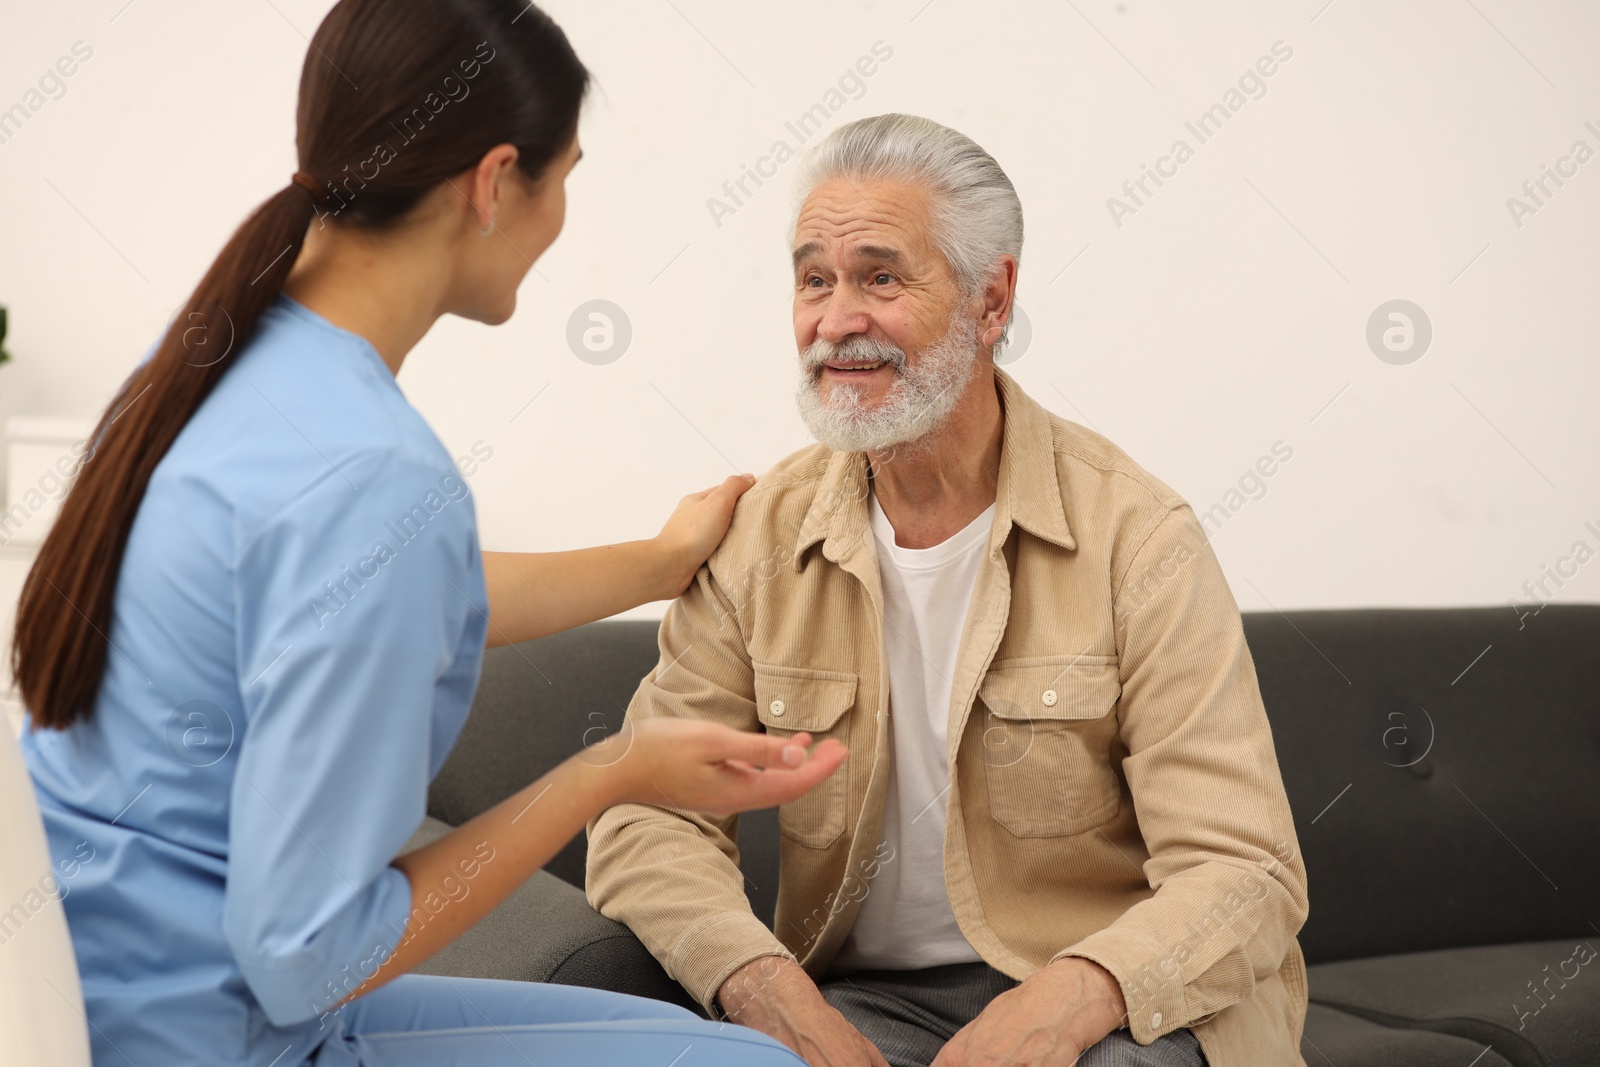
711	768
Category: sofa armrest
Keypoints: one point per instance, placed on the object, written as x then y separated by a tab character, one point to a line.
545	931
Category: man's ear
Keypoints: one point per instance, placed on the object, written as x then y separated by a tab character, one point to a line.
996	299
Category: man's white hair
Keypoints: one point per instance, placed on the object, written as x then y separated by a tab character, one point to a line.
977	216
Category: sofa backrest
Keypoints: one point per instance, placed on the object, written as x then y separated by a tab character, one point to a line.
1443	764
1442	767
538	703
541	701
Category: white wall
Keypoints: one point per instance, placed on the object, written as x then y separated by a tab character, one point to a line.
1228	313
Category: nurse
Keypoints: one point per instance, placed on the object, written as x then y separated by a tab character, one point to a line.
254	631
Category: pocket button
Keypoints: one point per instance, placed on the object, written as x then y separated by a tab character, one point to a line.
1049	698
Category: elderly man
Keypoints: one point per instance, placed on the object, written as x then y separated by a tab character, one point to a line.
1061	836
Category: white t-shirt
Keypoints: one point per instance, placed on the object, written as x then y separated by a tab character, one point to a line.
905	921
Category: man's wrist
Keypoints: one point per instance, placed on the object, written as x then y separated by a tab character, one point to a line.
1098	991
758	982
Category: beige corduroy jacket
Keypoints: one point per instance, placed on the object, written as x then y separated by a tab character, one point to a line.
1114	792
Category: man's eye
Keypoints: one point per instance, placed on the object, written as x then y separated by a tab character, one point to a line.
814	281
882	279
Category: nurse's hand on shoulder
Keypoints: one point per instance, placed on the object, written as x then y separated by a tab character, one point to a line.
711	768
695	529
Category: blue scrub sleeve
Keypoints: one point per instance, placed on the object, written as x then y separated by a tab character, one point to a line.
347	619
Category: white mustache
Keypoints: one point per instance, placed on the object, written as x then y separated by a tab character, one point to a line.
856	349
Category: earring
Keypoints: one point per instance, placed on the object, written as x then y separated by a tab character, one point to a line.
487	230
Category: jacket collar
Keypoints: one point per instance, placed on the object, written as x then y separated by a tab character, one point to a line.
1028	494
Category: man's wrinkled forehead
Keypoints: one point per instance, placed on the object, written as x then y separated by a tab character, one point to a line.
883	221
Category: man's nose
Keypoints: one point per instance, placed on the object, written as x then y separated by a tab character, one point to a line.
844	315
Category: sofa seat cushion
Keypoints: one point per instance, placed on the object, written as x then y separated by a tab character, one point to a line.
1334	1038
1536	1004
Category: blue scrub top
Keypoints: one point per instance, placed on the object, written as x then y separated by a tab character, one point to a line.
296	637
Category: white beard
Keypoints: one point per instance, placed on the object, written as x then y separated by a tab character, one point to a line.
922	397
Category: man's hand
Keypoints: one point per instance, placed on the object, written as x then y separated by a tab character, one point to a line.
774	994
1047	1021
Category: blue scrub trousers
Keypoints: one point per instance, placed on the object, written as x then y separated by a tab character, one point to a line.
432	1021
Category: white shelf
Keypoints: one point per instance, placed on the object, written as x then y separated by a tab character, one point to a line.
43	429
42	456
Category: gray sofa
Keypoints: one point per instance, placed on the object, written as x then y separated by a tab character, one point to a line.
1443	767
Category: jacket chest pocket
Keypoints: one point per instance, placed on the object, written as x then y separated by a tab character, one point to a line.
790	700
1048	729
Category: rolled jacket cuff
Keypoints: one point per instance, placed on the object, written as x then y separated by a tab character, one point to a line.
709	952
1152	982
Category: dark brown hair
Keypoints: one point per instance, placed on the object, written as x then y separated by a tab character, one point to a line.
395	97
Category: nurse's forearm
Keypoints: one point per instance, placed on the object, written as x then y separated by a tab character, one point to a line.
458	879
534	594
682	763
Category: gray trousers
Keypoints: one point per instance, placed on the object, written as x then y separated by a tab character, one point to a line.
909	1015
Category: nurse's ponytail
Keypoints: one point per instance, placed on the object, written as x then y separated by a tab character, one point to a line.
395	97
